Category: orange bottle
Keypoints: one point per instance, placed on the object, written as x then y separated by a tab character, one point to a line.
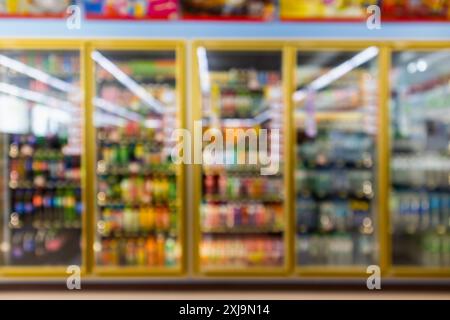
160	246
151	251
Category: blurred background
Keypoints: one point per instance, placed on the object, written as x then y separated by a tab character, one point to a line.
92	91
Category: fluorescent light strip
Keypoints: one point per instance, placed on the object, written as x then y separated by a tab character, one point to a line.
338	72
203	69
37	97
129	83
264	116
36	74
117	110
101	119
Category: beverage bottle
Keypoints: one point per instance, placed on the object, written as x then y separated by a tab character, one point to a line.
107	220
131	252
40	243
209	184
28	204
29	246
173	217
151	251
19	204
164	189
27	173
204	216
170	252
141	253
139	152
123	154
435	210
251	210
71	206
38	208
165	218
172	189
115	255
156	189
105	254
237	221
107	154
79	205
237	187
151	217
143	221
17	245
160	247
135	222
127	219
244	215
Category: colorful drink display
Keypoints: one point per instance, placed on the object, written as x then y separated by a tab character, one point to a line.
138	209
41	159
45	197
420	159
242	217
335	164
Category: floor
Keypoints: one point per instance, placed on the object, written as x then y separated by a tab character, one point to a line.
217	295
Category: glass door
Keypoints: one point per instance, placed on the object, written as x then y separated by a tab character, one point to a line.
138	197
40	159
336	107
420	159
241	213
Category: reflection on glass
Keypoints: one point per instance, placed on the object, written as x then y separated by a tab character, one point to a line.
335	116
241	210
420	163
40	157
135	115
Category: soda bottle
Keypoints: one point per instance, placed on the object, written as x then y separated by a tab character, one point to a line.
151	251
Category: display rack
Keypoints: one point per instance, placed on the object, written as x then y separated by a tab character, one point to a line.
429	237
189	192
316	115
48	215
238	265
139	245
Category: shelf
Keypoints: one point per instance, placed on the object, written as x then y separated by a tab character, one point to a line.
331	197
137	169
243	169
48	185
334	165
136	271
419	189
123	204
275	199
243	270
418	271
323	116
141	80
138	234
349	231
54	226
147	141
332	271
242	230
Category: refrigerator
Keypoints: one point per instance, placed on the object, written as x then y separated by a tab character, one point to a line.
136	106
420	159
41	158
241	220
335	158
